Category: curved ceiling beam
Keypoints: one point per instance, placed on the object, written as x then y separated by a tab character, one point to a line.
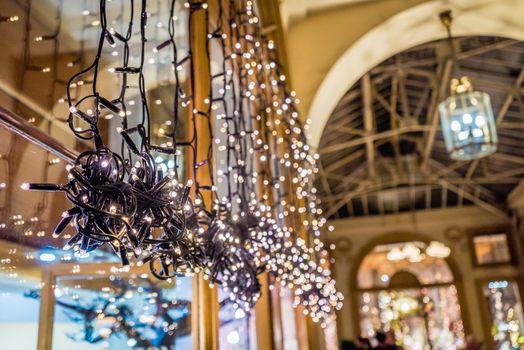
405	30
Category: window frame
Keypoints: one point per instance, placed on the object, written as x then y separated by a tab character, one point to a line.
505	230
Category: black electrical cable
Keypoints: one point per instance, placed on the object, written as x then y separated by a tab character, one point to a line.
267	216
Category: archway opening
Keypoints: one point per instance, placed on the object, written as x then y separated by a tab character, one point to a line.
407	290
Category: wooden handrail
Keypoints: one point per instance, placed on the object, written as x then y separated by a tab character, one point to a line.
20	126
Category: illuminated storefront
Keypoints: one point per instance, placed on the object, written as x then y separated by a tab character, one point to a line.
506	319
408	289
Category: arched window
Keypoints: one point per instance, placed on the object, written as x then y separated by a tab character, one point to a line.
407	290
386	260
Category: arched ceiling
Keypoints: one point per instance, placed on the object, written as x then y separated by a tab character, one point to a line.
382	150
414	26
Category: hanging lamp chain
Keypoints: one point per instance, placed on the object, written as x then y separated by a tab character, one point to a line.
458	84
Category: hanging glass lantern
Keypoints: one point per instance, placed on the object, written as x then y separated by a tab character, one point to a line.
467	122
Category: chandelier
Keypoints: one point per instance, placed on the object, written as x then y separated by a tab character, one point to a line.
415	252
466	116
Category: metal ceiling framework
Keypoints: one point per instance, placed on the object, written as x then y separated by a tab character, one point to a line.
382	150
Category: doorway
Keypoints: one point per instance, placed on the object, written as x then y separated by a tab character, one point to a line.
408	291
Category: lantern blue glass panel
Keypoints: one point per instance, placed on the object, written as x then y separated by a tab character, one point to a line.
468	125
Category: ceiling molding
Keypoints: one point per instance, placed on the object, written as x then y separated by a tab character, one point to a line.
293	10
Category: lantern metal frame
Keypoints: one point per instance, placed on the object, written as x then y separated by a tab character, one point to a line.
467	121
466	116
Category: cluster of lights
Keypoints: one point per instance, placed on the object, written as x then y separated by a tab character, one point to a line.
468	122
265	215
294	267
27	226
503	299
299	207
412	252
138	211
235	231
233	259
498	284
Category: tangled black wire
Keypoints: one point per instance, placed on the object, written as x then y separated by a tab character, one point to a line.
261	214
125	201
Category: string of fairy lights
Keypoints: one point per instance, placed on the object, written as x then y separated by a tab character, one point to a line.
285	136
255	211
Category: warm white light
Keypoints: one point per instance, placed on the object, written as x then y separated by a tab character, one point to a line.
105	332
240	313
410	251
480	120
438	250
395	254
477	132
463	135
147	318
47	257
233	337
455	126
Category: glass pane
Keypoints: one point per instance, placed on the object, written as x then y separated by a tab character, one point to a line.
237	327
27	220
26	224
492	249
19	315
38	85
27	217
120	312
506	317
417	319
